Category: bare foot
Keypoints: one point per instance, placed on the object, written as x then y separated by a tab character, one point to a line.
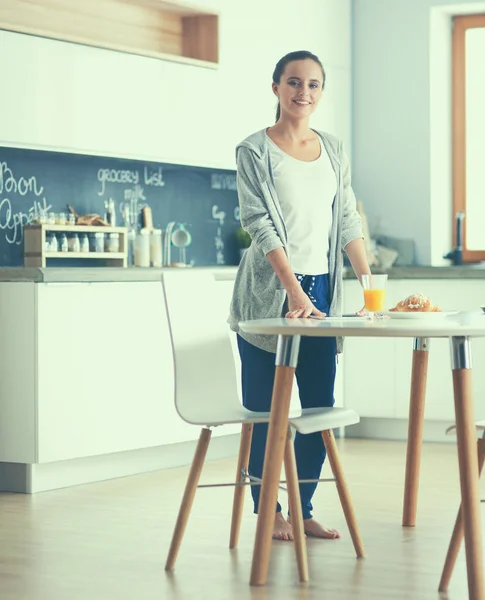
315	529
282	530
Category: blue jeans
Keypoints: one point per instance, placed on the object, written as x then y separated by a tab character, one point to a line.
315	375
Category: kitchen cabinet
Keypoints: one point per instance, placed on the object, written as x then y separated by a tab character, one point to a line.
82	99
105	370
368	365
449	295
378	371
105	375
17	373
87	369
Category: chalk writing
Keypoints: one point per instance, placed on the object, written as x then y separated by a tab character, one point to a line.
13	222
223	182
134	193
218	215
22	186
116	176
219	244
153	177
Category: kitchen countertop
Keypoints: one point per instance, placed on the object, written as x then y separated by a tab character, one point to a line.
476	271
221	273
100	274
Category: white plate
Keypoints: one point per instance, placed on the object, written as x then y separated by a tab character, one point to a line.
342	318
419	315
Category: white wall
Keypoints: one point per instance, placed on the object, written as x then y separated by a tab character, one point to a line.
65	96
401	118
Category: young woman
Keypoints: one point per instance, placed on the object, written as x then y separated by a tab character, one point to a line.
298	207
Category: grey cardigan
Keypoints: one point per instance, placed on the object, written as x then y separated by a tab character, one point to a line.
258	293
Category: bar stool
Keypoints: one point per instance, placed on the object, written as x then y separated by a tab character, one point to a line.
202	355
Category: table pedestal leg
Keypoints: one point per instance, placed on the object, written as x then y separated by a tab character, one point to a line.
286	361
468	464
415	430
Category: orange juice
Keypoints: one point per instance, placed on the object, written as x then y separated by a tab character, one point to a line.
374	300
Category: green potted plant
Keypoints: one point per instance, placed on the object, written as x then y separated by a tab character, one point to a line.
243	241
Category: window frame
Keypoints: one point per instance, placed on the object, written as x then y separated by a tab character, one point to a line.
460	26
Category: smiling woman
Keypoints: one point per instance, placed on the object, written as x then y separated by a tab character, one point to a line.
297	206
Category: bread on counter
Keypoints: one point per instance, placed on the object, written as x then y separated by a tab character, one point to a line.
416	303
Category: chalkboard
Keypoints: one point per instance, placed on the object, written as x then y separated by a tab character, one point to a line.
203	199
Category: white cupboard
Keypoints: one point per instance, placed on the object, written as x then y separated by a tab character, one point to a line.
378	371
369	365
105	375
87	370
448	294
17	373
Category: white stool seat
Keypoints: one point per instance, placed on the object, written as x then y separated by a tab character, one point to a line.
479	425
321	419
308	420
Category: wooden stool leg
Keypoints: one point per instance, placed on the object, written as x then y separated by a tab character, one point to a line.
273	459
468	464
295	508
188	498
415	430
343	492
239	491
457	535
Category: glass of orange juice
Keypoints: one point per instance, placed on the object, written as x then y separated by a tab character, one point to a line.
374	293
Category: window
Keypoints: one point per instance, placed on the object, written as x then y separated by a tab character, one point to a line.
469	133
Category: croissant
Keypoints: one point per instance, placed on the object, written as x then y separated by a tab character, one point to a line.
88	219
416	303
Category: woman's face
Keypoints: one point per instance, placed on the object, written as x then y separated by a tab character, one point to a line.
300	88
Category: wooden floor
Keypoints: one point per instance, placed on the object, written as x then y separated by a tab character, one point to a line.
109	540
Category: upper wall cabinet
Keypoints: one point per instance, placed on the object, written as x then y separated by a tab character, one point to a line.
153	28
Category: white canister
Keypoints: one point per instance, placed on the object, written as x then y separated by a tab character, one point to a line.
142	248
156	248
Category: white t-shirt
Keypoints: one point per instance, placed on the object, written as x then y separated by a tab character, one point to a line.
306	191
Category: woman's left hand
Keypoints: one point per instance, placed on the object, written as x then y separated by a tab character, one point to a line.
362	312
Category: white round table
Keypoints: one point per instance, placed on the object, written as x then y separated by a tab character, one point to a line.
459	328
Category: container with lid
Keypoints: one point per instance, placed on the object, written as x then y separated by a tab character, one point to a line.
63	245
83	242
156	248
73	243
142	248
50	242
112	242
96	242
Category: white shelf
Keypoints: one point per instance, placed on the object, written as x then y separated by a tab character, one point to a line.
78	228
35	236
105	255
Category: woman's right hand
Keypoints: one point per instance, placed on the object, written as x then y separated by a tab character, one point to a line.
300	305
